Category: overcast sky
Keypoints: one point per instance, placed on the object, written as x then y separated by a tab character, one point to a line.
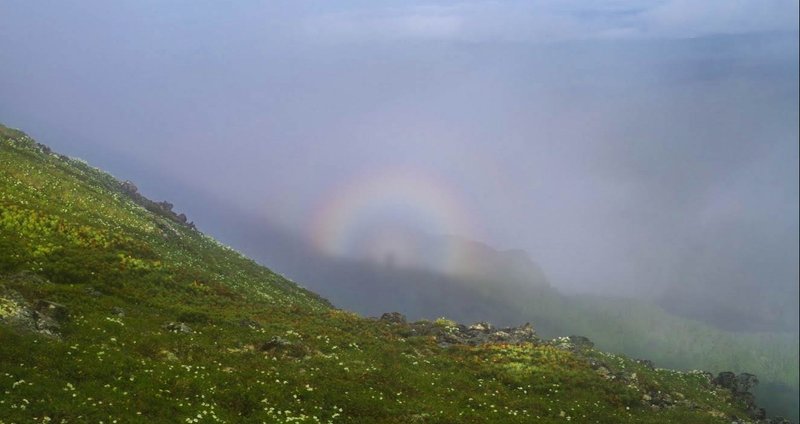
628	146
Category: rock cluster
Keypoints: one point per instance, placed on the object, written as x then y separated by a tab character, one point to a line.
574	344
178	328
43	316
275	343
740	386
393	317
161	208
280	346
449	333
483	332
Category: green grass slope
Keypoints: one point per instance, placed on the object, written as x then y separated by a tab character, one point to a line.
646	331
110	312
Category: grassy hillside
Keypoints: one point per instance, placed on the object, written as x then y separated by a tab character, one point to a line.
646	331
632	327
115	312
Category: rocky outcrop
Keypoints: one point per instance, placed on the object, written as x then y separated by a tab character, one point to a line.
42	316
448	333
178	328
163	208
483	332
394	318
740	386
275	343
575	344
280	346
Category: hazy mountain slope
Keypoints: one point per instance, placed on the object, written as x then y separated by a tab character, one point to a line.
629	326
114	312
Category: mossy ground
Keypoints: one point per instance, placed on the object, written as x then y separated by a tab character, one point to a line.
69	235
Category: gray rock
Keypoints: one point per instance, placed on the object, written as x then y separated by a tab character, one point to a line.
249	323
725	379
281	346
499	336
129	187
483	327
52	310
474	335
393	317
91	291
740	386
523	334
16	311
275	343
178	327
581	342
44	317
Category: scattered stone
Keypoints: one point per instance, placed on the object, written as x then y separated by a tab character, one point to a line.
118	311
661	399
740	386
482	327
393	318
249	323
44	317
574	344
499	336
15	311
581	342
168	356
279	345
275	343
726	379
129	187
605	373
48	327
178	327
448	333
91	291
163	208
167	231
52	310
474	335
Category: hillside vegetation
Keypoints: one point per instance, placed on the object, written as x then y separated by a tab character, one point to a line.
116	310
633	327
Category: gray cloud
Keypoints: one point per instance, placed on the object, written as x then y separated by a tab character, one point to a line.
551	21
